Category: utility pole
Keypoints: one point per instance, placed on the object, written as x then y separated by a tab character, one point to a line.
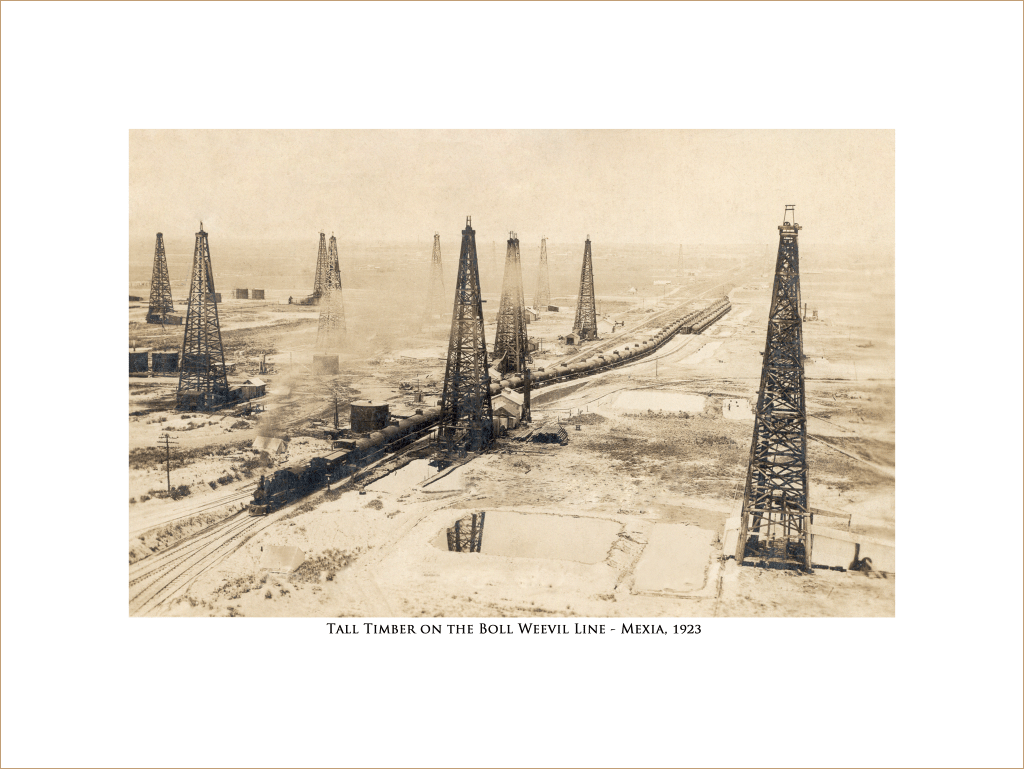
167	445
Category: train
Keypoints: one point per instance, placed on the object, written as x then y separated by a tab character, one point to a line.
290	483
692	323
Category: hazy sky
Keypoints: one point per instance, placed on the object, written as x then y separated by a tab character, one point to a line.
616	186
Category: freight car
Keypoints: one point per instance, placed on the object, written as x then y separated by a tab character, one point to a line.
291	483
692	323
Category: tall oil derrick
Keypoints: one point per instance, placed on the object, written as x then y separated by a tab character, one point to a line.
774	519
435	287
510	352
466	416
203	382
331	331
323	269
160	301
542	296
332	261
585	324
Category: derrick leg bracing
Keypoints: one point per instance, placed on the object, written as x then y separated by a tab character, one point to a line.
203	381
585	325
323	269
331	332
774	521
160	302
510	351
466	418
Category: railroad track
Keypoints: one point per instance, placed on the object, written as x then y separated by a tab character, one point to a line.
162	581
242	492
662	318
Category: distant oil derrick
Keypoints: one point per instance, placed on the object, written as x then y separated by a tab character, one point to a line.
323	270
466	420
585	325
467	534
332	260
203	382
774	519
510	352
160	302
435	286
330	333
542	296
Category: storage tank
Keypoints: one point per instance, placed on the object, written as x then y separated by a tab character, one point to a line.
138	362
325	364
165	362
368	416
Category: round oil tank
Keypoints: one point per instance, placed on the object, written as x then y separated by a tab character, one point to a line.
368	416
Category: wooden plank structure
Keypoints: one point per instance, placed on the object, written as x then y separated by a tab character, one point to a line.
775	518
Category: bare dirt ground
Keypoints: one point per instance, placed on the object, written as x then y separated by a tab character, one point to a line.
648	480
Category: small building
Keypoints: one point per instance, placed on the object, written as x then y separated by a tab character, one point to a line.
272	446
369	416
258	293
241	293
215	298
511	402
552	308
504	418
532	315
572	339
249	389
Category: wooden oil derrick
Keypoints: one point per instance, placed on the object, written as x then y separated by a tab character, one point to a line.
467	534
585	325
160	302
203	381
542	296
323	270
466	420
775	516
510	352
435	286
330	333
332	261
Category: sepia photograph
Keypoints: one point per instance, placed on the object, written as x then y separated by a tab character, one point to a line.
512	384
511	373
